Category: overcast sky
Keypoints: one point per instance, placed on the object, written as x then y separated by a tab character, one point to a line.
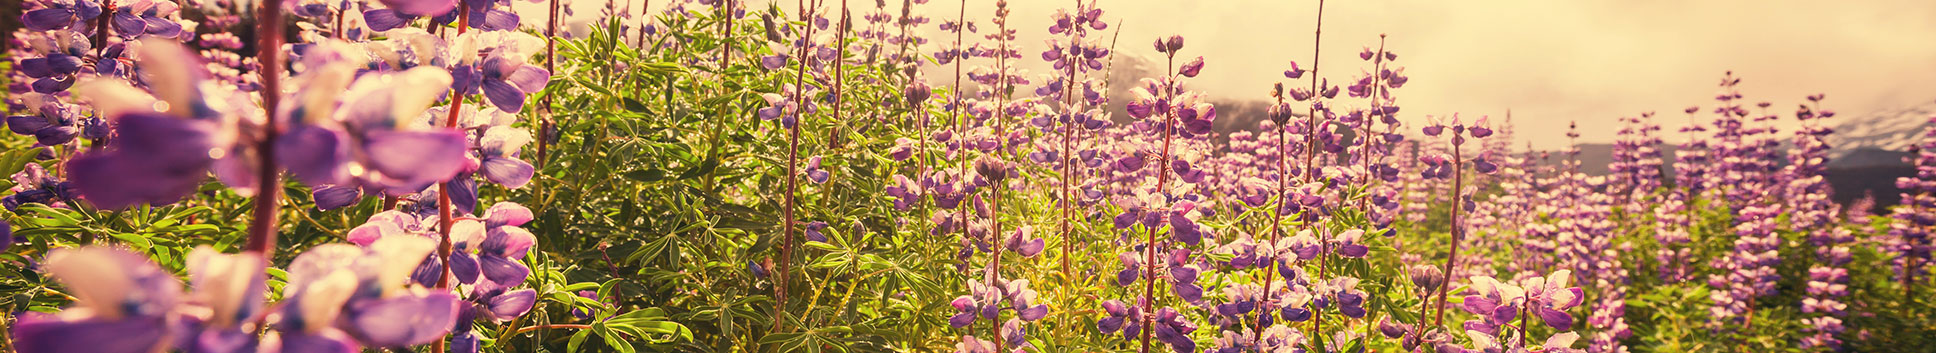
1547	61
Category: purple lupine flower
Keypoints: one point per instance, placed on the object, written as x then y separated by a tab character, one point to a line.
498	148
1295	306
147	17
1344	291
1123	318
813	231
1347	243
1483	342
1749	270
499	305
55	70
1172	328
1234	342
903	149
966	309
230	287
169	154
584	314
1014	335
1815	213
420	7
128	300
813	171
1911	223
1550	298
1302	246
1496	304
6	236
781	108
489	249
774	62
970	344
1243	252
34	185
365	294
1191	68
905	192
1023	241
503	73
392	147
1240	299
1023	301
55	15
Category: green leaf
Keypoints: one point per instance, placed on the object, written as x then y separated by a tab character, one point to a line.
601	89
577	339
56	217
140	242
635	105
702	169
646	175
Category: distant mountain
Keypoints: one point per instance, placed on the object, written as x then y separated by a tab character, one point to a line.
1868	153
1878	139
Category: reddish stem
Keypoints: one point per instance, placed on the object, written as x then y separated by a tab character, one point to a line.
998	182
551	56
1277	220
1162	181
443	189
262	229
793	161
1458	233
1068	127
840	74
1310	161
553	326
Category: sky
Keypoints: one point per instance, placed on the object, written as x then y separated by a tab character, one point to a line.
1548	62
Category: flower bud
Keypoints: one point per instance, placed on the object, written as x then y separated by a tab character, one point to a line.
1427	278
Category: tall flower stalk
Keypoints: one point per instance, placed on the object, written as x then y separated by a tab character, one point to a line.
1441	167
444	217
262	228
1169	49
1815	213
1911	229
798	113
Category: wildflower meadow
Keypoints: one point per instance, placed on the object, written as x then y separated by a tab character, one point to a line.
320	176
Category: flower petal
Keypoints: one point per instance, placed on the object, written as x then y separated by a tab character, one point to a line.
330	197
464	267
420	7
386	19
127	24
504	96
506	272
529	79
328	341
509	172
1557	319
494	20
507	214
510	305
45	334
508	242
416	156
403	321
314	155
47	19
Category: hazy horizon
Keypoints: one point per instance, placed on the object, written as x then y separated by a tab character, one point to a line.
1548	62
